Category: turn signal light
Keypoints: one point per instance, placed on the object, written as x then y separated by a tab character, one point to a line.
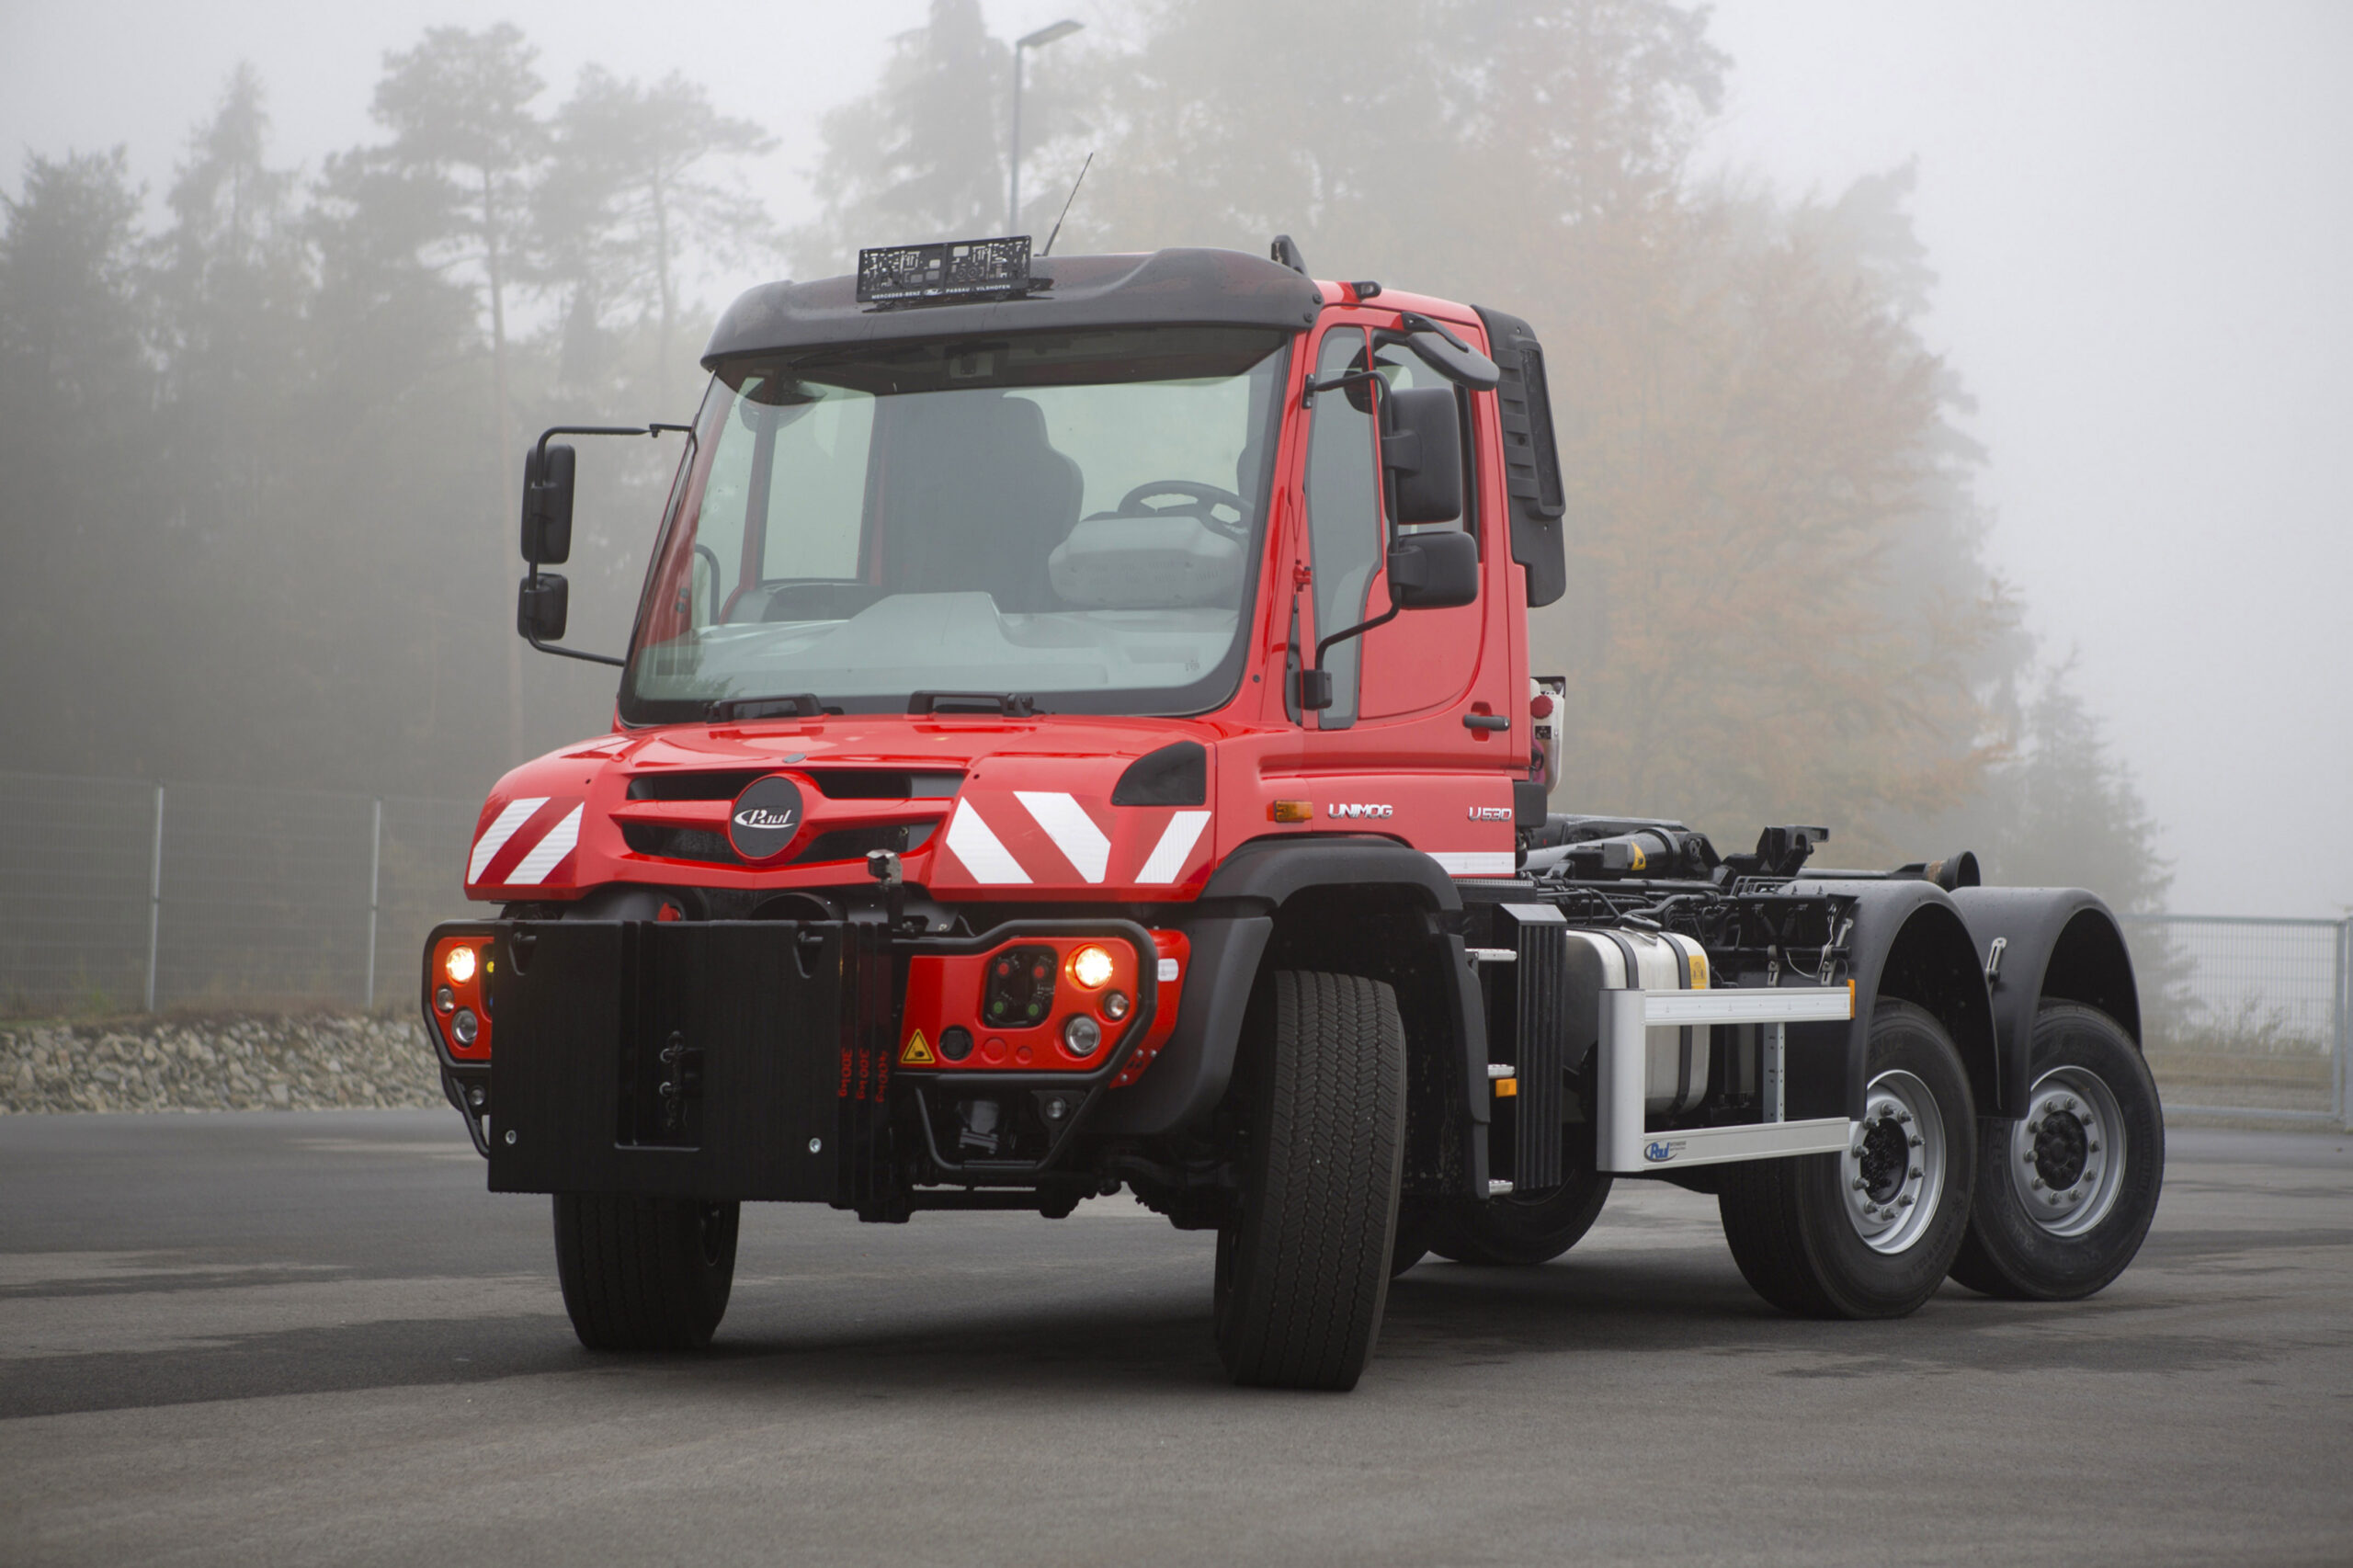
1291	810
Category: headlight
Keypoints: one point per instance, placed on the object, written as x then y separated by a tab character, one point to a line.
459	964
1090	966
1082	1035
465	1026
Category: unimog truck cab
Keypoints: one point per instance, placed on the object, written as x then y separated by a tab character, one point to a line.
1077	735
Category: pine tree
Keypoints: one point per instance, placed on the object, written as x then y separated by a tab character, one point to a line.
459	107
921	156
82	541
627	197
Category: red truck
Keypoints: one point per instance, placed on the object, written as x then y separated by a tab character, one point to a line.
1077	735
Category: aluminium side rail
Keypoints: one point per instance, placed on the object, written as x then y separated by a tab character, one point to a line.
1624	1146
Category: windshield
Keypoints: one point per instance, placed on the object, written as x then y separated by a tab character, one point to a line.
1070	516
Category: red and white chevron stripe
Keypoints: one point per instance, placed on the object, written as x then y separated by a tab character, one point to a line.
530	843
1027	838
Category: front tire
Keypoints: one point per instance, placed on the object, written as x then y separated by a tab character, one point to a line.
1302	1271
1870	1231
2066	1193
644	1273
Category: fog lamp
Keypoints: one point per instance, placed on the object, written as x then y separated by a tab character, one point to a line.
465	1026
1090	966
459	964
1082	1035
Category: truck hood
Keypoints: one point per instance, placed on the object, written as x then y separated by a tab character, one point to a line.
1017	808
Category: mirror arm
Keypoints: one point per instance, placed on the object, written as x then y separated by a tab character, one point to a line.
1413	320
1334	383
576	653
1359	629
647	429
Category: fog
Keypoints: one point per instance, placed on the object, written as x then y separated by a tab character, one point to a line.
2135	215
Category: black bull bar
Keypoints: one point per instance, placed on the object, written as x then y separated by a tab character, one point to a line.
732	1059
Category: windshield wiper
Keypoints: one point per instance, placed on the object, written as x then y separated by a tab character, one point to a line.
802	704
1012	704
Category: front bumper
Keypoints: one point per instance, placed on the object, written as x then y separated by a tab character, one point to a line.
729	1060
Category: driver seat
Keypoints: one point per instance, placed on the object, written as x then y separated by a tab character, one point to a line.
973	495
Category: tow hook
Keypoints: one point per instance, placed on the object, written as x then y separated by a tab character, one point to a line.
681	1081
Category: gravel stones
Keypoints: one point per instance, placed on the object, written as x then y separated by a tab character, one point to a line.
258	1061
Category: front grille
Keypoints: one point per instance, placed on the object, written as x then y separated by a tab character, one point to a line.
834	783
712	848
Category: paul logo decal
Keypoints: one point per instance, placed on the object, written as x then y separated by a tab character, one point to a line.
765	819
1658	1153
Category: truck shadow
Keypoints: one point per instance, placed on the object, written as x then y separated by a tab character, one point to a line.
1442	1317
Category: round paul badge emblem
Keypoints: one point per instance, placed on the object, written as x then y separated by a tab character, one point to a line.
766	818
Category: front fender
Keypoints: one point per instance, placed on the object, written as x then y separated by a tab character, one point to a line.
1312	887
2059	944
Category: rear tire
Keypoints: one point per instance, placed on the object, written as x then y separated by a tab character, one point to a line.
1302	1272
2093	1139
1867	1234
1518	1232
644	1273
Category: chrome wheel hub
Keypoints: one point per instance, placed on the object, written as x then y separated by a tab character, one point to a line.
1894	1170
2067	1154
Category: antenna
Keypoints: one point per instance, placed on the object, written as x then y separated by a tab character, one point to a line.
1066	201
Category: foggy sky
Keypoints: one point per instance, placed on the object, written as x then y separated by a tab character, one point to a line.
2138	214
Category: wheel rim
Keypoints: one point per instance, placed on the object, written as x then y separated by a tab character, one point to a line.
1892	1173
2067	1154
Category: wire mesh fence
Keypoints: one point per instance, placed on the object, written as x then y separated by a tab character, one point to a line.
118	896
2245	1016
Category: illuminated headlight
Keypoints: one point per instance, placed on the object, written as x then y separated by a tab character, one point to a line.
465	1026
459	964
1090	966
1082	1035
444	999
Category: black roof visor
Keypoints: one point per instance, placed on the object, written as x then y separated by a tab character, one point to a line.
1199	288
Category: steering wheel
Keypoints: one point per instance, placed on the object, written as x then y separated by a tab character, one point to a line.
1205	498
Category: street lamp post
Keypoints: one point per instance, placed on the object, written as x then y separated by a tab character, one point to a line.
1038	39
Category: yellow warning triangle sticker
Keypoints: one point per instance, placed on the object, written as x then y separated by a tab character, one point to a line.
916	1052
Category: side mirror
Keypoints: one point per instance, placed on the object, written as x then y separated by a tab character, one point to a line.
1434	570
1421	445
546	505
542	605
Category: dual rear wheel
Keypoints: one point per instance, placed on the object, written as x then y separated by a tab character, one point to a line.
2048	1206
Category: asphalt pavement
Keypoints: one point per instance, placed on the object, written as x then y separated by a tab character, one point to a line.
261	1339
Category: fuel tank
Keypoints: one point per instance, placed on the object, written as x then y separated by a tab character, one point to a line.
1614	958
